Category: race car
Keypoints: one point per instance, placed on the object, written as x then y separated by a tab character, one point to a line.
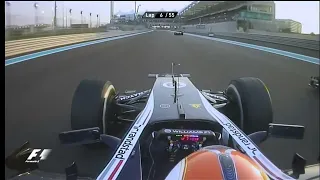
211	34
174	129
178	33
314	82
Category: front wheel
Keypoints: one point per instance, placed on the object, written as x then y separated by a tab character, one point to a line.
92	105
250	106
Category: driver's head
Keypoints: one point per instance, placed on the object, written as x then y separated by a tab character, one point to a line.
217	163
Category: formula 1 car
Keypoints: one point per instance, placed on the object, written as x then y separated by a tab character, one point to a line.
314	82
211	34
168	123
178	33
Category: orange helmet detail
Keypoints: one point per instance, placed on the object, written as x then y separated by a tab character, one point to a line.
217	163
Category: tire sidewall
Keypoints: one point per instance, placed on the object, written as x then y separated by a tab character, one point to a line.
88	105
251	105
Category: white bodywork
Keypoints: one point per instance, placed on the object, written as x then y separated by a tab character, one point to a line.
116	164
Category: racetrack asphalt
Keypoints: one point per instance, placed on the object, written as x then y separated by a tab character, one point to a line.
38	93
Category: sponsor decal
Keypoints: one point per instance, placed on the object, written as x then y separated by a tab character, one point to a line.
251	150
127	143
218	97
241	137
121	98
195	105
182	131
191	131
123	152
164	106
170	84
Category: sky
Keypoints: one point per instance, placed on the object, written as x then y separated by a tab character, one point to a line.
306	12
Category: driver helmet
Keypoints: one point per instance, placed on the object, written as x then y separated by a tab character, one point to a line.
217	163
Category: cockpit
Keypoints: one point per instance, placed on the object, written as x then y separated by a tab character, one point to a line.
164	147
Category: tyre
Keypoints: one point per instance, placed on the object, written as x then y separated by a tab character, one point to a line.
250	106
92	105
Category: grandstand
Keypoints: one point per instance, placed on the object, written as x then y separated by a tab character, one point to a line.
239	14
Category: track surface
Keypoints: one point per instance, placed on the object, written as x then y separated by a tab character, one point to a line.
39	92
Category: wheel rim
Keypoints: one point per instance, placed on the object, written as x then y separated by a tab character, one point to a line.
105	103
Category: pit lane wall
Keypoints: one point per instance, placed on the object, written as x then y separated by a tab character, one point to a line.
229	30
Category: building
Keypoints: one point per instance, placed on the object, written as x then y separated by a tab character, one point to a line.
237	16
263	10
127	17
289	25
217	11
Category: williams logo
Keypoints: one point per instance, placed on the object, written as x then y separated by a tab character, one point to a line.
234	132
121	98
186	131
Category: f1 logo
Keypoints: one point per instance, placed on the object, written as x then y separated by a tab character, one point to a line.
37	155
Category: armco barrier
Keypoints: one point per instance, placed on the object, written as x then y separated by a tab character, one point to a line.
17	47
287	41
289	35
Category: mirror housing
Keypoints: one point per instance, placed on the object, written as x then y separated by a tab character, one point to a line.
88	136
286	131
16	160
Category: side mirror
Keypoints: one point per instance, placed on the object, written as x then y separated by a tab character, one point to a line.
286	131
16	160
258	137
278	131
80	137
88	136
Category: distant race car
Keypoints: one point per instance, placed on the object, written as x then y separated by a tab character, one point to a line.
211	34
173	129
314	82
178	33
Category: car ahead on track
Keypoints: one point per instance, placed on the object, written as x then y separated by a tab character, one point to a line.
211	34
173	127
314	82
178	33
